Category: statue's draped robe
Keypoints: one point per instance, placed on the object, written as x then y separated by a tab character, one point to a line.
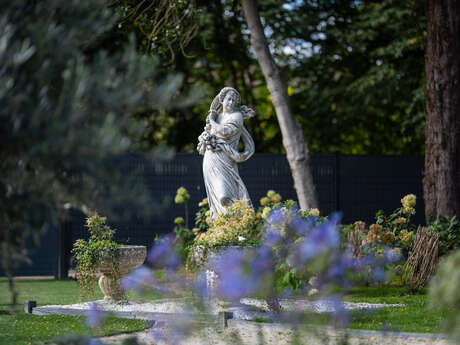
222	180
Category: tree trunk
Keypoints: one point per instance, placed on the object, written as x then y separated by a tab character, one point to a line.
291	130
441	183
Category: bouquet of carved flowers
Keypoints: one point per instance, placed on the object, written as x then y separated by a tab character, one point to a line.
208	141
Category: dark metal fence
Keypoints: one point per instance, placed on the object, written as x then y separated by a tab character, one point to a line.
356	185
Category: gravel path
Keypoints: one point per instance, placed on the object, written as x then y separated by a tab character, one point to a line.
251	333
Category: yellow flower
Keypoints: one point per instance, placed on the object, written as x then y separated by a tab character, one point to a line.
179	220
196	231
410	210
314	212
406	236
276	198
182	191
203	202
359	225
181	196
400	220
179	199
271	193
409	201
264	201
376	229
265	212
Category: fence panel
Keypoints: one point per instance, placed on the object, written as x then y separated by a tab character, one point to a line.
356	185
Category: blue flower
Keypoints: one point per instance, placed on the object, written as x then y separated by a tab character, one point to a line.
200	285
235	281
379	275
321	239
137	278
302	225
156	332
263	262
163	253
391	255
272	237
276	216
94	315
340	314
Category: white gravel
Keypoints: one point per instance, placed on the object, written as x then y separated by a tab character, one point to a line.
180	305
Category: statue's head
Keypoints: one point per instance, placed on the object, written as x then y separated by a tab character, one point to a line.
229	98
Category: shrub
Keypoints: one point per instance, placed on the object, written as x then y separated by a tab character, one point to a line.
444	293
449	234
237	226
89	254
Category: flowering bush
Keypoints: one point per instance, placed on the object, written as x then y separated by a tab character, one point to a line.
394	230
271	199
399	222
237	226
202	217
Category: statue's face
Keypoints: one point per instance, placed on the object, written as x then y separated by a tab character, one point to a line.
230	101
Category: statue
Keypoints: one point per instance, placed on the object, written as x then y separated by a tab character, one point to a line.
219	145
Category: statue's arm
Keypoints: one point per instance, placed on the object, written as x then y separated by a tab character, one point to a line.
230	127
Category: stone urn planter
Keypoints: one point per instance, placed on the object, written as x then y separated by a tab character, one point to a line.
129	257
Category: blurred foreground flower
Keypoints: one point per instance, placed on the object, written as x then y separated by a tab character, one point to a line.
138	279
163	253
94	315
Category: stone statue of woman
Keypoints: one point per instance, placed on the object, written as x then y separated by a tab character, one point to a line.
219	145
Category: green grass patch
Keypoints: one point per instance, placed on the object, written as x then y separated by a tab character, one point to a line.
416	316
19	328
28	329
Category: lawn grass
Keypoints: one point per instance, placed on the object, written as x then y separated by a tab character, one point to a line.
20	328
417	316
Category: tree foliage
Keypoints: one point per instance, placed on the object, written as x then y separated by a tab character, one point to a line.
64	114
355	70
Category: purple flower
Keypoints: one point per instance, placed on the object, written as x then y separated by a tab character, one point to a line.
302	225
321	239
272	237
276	216
379	275
340	314
137	279
94	315
200	285
157	332
391	255
163	253
235	280
263	262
